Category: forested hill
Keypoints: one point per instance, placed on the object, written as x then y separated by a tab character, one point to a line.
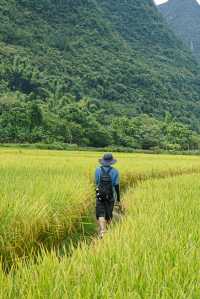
183	17
66	64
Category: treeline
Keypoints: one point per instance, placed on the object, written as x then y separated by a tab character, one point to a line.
85	123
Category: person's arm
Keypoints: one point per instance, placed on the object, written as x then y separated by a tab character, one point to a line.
117	192
97	177
116	186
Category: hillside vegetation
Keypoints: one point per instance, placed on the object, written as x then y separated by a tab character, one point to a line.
66	64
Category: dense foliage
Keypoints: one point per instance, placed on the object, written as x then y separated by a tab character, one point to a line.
80	71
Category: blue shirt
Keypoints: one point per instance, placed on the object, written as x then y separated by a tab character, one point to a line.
114	173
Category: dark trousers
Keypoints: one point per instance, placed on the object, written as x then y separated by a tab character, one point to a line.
104	209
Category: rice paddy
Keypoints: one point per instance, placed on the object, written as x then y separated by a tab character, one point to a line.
152	253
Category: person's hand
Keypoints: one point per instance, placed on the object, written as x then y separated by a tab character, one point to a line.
119	206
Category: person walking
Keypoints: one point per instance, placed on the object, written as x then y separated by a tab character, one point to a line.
107	191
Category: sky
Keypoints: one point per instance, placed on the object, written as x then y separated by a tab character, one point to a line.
163	1
160	1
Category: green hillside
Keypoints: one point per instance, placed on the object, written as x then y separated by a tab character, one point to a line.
65	63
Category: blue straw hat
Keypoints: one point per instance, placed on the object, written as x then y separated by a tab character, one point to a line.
107	160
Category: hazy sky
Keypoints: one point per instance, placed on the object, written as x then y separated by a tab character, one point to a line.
160	1
163	1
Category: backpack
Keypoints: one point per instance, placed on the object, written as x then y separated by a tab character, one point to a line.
105	188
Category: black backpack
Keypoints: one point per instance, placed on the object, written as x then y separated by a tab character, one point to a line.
105	188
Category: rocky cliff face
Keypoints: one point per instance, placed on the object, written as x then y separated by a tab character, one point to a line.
183	16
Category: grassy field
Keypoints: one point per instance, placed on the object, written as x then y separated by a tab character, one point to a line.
153	253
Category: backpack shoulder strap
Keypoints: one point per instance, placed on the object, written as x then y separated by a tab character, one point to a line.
109	170
104	171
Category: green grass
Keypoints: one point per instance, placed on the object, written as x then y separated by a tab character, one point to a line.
152	253
44	194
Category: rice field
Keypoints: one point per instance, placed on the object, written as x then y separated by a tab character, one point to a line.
152	253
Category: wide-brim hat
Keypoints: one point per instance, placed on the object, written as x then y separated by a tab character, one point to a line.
107	159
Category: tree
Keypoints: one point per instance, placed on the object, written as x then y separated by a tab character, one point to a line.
36	115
